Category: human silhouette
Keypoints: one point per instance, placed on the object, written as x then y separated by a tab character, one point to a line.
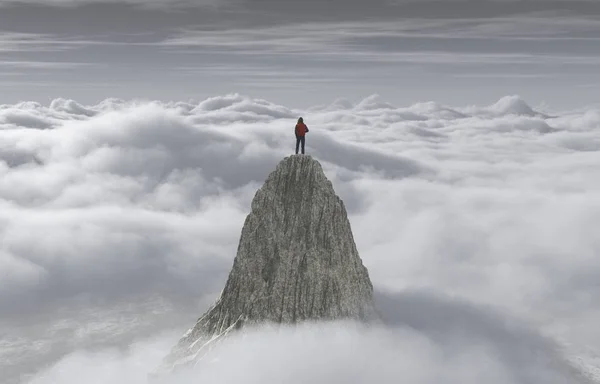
300	131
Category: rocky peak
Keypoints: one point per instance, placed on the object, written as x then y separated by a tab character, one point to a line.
296	261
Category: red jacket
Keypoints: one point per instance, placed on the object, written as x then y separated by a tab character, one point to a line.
301	129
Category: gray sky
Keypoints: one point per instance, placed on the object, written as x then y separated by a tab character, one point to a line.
301	53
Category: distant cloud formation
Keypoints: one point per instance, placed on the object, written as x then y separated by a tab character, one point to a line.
120	221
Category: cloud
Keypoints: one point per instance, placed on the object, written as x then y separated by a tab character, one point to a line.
453	51
120	221
406	41
428	338
14	42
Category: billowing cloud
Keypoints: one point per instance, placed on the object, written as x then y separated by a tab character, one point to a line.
428	339
120	221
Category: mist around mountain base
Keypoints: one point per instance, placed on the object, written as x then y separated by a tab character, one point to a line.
120	222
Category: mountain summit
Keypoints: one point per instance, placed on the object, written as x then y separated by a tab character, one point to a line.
296	261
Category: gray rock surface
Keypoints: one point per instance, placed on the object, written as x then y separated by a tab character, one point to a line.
296	260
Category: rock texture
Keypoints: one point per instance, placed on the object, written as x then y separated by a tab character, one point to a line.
296	261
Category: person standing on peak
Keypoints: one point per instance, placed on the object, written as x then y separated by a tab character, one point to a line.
300	130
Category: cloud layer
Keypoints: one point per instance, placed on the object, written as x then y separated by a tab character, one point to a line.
428	339
120	221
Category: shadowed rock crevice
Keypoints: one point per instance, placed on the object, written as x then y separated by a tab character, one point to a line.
296	261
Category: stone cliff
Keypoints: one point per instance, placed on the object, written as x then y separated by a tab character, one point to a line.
296	261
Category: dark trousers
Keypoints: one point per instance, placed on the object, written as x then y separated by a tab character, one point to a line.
299	140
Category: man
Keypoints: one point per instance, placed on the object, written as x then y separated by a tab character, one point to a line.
301	130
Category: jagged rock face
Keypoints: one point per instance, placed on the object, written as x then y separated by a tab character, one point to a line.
296	261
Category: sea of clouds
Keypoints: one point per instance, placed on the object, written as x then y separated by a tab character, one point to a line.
119	223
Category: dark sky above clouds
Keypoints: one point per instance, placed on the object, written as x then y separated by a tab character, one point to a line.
301	52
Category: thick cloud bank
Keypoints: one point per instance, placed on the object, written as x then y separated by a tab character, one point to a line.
120	221
427	339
